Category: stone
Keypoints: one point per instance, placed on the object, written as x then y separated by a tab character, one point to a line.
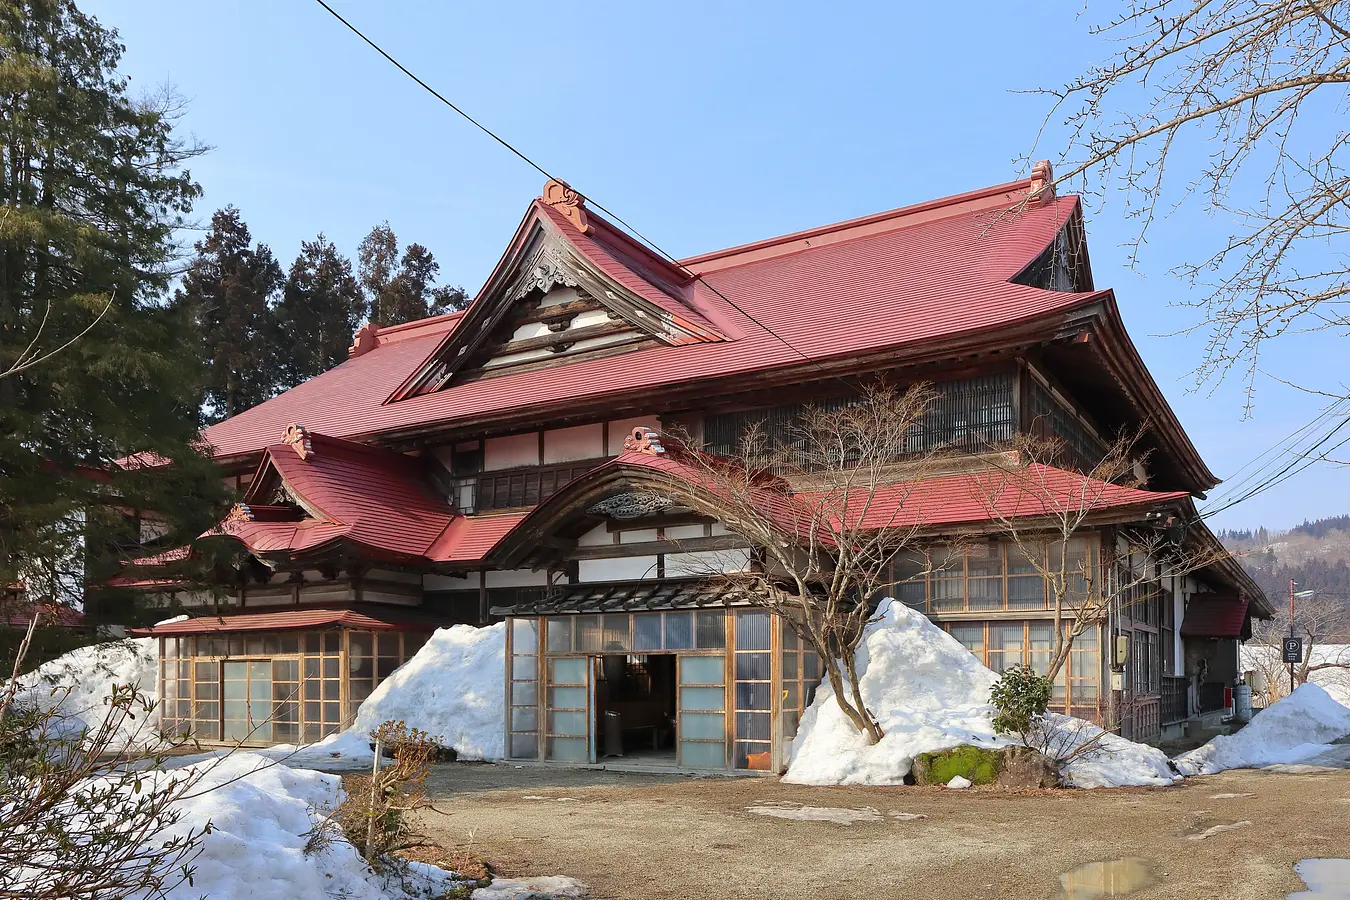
1025	769
978	765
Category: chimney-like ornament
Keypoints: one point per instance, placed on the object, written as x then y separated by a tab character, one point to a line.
644	440
1042	183
298	437
568	202
366	339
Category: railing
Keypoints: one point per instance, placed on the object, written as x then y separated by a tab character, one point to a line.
527	487
1174	699
1141	721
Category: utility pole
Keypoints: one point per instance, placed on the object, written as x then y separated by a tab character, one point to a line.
1291	631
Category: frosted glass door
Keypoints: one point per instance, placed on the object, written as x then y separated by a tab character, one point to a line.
703	716
568	715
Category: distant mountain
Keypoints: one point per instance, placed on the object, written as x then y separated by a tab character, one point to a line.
1316	555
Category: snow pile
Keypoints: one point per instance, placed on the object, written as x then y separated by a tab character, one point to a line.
77	685
454	689
1335	680
261	816
930	693
1293	729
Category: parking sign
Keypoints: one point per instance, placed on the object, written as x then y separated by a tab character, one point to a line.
1293	649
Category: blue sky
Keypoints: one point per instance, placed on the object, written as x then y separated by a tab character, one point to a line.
702	124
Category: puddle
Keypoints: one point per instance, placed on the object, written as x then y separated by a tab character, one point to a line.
1106	879
836	815
1327	879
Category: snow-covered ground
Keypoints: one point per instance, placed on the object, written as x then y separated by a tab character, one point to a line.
1298	728
929	693
77	686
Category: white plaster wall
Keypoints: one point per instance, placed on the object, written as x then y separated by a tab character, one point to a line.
451	582
559	296
596	537
516	578
587	319
719	528
580	442
684	532
706	562
509	452
627	568
637	535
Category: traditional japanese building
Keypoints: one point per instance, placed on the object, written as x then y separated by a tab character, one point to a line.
491	464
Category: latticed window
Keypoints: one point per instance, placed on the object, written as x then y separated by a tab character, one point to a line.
1051	419
990	576
970	414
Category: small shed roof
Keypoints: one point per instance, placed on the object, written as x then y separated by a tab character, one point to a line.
1216	616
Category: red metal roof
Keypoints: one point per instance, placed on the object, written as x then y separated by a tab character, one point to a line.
909	277
1216	616
49	614
364	617
362	494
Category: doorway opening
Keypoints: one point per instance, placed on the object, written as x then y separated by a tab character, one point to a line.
635	707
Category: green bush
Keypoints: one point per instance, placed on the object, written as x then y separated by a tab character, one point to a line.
1021	697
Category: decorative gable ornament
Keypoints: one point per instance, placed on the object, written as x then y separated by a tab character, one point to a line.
1042	183
546	274
366	339
644	440
239	513
631	505
568	202
298	437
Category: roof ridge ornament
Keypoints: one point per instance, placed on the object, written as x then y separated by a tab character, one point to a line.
239	513
643	440
297	436
366	339
560	196
1042	183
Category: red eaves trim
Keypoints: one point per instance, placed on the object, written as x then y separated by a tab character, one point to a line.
1215	616
364	618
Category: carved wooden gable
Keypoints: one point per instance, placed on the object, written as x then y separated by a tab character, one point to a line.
556	297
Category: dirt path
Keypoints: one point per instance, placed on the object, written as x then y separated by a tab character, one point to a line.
641	837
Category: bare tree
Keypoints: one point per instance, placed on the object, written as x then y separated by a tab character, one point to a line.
826	508
1317	619
83	814
1036	495
1240	104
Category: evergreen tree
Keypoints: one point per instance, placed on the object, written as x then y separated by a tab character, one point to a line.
227	291
321	306
377	259
410	292
94	367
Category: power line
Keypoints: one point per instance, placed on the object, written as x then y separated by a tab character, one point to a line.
541	170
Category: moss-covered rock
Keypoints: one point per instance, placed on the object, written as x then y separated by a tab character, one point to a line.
978	764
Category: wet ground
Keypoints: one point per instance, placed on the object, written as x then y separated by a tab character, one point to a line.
645	837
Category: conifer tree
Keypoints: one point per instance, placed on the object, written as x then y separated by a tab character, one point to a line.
227	290
321	306
408	293
98	376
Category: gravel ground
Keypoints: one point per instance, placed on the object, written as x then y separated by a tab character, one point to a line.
650	837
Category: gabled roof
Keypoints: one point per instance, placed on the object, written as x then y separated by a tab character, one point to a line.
918	284
376	499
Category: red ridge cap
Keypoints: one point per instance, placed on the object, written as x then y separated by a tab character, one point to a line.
874	223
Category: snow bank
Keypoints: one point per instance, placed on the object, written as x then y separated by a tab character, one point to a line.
261	815
454	689
930	693
77	686
1293	729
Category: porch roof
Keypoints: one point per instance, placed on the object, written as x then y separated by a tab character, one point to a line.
1216	616
363	617
620	597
